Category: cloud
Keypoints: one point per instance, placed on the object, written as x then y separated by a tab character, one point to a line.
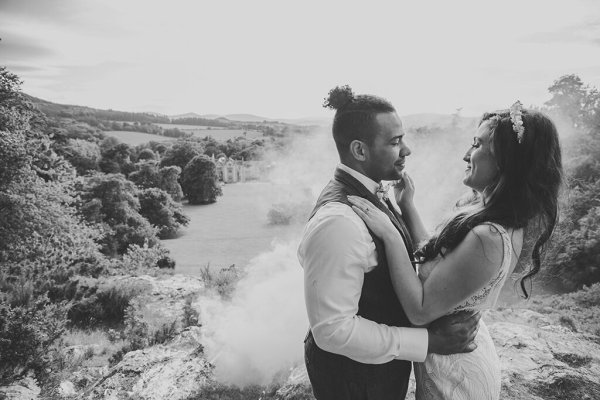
59	12
587	32
18	47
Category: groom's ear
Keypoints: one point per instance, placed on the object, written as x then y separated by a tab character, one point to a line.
358	150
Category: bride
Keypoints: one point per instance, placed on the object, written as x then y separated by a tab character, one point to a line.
514	168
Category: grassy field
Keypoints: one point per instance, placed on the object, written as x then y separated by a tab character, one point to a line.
218	134
135	138
231	231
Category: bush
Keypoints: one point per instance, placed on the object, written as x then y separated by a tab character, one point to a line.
199	182
191	317
106	307
28	336
223	281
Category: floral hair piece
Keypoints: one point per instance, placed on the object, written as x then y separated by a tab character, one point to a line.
516	117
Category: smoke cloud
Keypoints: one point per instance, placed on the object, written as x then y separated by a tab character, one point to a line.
260	332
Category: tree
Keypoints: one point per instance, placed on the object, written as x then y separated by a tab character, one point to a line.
200	183
160	210
112	200
575	100
149	175
117	159
169	181
181	153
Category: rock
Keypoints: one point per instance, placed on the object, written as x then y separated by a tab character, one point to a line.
66	389
538	362
24	389
174	370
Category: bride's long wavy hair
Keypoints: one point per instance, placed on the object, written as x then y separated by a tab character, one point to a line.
524	194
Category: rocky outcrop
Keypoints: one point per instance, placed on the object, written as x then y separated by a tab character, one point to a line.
539	359
24	389
172	371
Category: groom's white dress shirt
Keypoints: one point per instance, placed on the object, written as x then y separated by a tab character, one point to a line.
336	251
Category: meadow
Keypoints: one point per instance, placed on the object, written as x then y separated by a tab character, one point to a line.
136	138
219	134
233	230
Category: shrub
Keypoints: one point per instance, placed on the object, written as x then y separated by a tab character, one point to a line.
166	263
28	336
140	259
223	281
191	317
106	307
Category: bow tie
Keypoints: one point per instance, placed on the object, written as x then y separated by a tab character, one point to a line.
382	191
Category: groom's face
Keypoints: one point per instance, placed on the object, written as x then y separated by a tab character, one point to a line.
388	150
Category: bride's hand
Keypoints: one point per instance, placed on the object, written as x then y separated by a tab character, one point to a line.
375	219
404	190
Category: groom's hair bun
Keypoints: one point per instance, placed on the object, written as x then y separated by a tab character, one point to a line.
338	97
355	116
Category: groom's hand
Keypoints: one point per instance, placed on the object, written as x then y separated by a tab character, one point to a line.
454	333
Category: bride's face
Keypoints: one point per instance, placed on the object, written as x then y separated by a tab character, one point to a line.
482	169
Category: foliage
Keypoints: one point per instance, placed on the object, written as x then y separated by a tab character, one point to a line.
200	182
82	154
191	317
146	154
139	334
117	159
580	310
28	335
181	153
169	181
161	211
139	259
112	200
223	281
575	100
149	175
573	258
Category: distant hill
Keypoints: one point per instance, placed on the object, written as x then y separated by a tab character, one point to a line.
77	112
82	112
188	115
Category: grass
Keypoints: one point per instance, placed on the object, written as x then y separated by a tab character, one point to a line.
136	138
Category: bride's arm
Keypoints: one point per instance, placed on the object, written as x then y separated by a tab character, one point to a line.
455	278
404	192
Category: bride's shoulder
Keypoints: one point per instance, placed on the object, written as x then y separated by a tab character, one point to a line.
485	239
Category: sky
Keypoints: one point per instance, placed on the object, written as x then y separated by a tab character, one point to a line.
279	59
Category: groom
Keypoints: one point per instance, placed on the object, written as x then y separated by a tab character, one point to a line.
360	344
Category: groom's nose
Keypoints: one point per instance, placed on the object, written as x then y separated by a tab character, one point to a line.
405	151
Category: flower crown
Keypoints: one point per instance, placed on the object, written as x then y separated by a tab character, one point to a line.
516	117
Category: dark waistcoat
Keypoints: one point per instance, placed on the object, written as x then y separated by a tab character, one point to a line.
378	303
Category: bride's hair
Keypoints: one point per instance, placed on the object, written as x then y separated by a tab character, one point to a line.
525	193
355	116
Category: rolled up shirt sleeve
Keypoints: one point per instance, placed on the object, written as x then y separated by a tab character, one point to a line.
336	252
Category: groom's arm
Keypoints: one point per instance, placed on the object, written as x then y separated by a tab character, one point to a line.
335	253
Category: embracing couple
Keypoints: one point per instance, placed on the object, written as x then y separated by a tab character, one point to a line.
381	292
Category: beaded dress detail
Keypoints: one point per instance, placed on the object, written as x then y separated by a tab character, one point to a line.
468	376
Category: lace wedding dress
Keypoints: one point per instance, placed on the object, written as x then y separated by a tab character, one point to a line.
467	376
